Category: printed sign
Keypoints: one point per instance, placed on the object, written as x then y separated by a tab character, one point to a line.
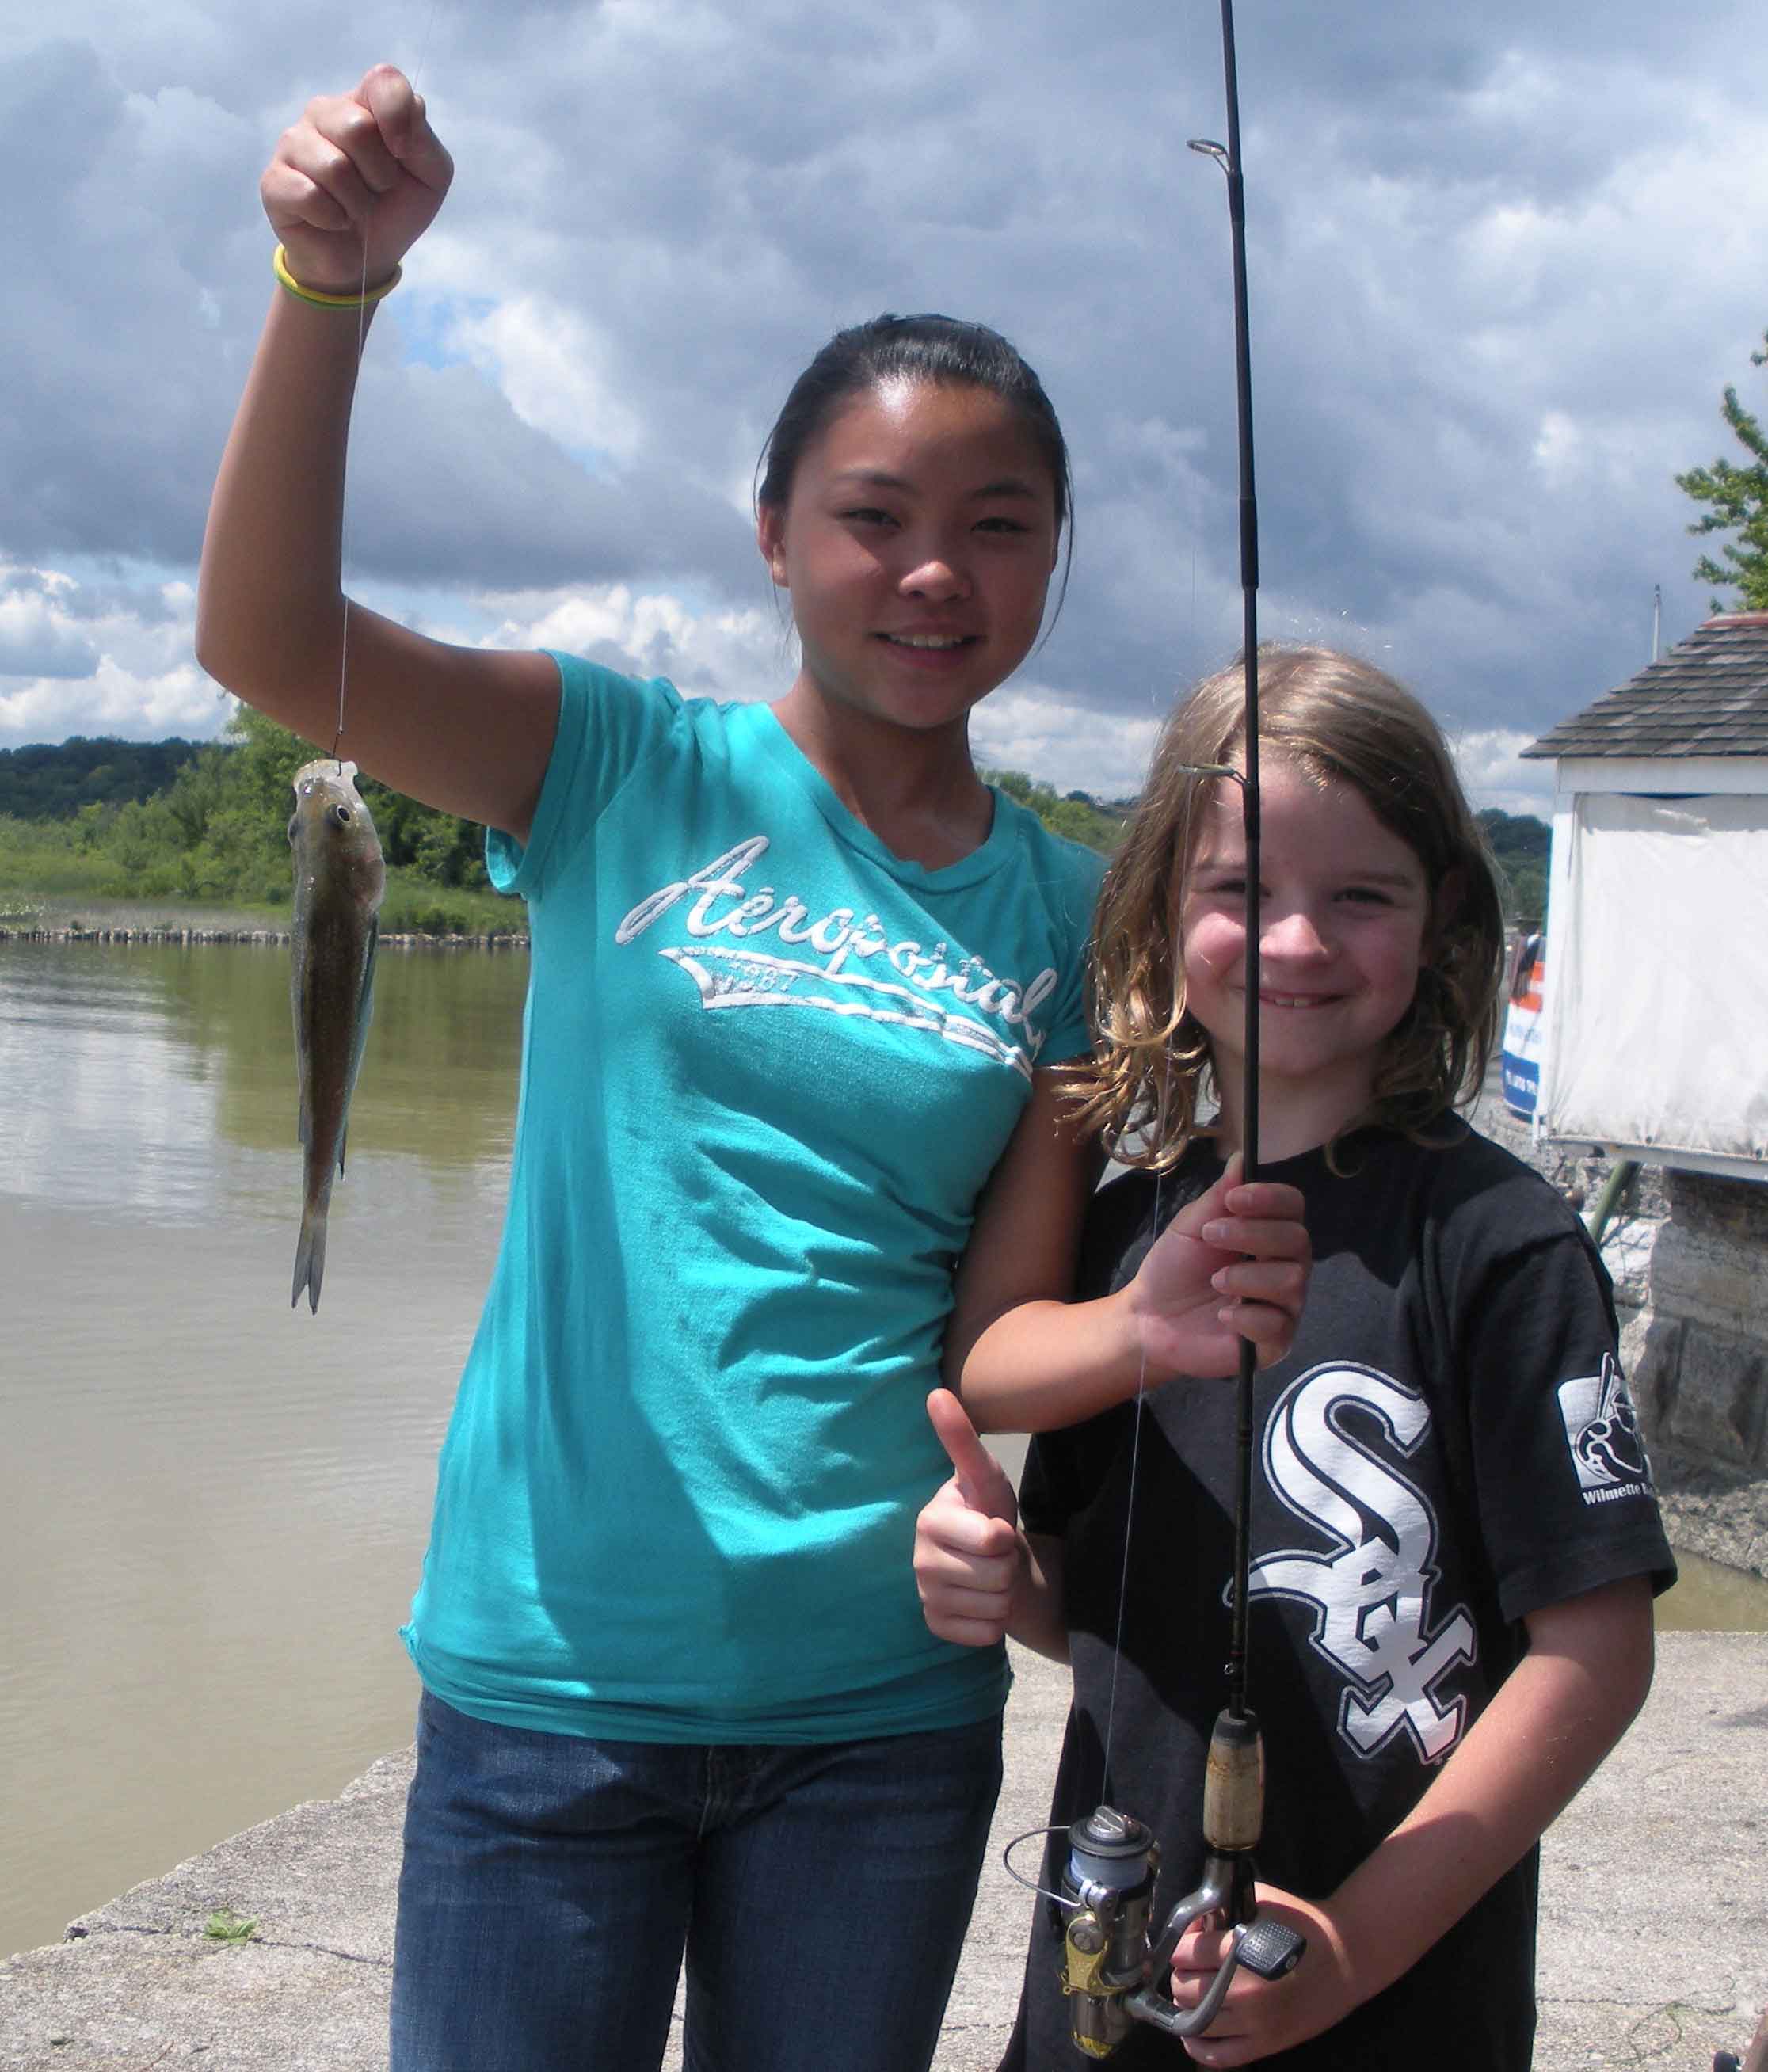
1519	1061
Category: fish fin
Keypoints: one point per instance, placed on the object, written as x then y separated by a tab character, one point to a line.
365	1000
309	1261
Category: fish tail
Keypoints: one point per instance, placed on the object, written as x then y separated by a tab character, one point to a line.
309	1259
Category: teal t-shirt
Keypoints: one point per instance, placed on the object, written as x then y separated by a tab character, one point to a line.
767	1067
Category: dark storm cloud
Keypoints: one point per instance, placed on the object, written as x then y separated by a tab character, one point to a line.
1503	260
122	377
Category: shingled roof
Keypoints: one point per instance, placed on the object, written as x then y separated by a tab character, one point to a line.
1708	696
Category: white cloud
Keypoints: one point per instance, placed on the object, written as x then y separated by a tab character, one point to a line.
139	678
37	639
1058	740
553	367
705	651
1493	773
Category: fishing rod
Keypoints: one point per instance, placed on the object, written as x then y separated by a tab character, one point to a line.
1114	1968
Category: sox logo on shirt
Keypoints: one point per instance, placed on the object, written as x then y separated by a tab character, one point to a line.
1602	1432
1332	1450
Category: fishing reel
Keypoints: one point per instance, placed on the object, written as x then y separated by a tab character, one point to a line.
1112	1968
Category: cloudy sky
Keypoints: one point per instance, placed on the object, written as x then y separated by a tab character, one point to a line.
1503	260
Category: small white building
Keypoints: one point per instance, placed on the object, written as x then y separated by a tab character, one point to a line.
1655	1010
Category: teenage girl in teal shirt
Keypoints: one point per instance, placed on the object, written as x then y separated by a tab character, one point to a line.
799	981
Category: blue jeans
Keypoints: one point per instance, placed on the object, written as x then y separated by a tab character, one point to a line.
551	1885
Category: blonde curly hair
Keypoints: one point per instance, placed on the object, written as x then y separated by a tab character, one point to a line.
1340	719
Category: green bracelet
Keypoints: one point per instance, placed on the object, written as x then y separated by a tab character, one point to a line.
281	264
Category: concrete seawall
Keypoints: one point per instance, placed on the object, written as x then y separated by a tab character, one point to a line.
1654	1942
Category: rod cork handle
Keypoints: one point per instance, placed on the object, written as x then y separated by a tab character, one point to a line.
1234	1784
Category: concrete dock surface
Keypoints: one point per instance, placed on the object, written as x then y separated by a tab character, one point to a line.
1654	1942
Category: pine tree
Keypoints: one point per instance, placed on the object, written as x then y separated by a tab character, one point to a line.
1739	500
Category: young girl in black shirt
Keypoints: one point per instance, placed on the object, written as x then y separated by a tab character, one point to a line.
1454	1535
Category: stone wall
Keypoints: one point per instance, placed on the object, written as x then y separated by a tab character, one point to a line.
1696	1357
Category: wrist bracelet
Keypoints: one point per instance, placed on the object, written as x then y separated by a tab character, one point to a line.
280	263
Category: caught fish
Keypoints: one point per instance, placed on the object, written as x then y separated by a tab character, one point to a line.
338	881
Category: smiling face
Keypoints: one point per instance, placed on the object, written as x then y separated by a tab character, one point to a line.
1346	915
916	543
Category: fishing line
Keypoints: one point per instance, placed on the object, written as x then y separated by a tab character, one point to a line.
1129	1521
1159	1124
347	560
423	46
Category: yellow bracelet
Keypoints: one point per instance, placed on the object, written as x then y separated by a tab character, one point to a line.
281	264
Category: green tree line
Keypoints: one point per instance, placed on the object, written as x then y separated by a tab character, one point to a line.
47	781
1075	815
1522	844
216	833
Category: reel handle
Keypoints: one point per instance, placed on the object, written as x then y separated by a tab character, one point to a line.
1268	1948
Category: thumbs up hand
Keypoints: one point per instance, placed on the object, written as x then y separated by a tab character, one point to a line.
969	1557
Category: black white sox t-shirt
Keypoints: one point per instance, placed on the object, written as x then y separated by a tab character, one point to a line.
1449	1447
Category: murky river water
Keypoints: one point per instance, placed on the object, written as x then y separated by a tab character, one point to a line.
211	1508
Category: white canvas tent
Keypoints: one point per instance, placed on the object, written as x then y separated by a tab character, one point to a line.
1655	1011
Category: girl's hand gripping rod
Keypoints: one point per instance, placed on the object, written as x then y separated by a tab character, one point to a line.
1111	1973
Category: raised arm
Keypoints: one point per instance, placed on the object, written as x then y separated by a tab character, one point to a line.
351	188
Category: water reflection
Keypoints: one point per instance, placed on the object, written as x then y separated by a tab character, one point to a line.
139	1056
212	1508
108	1101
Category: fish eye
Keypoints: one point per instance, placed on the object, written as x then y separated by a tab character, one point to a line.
292	820
340	817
